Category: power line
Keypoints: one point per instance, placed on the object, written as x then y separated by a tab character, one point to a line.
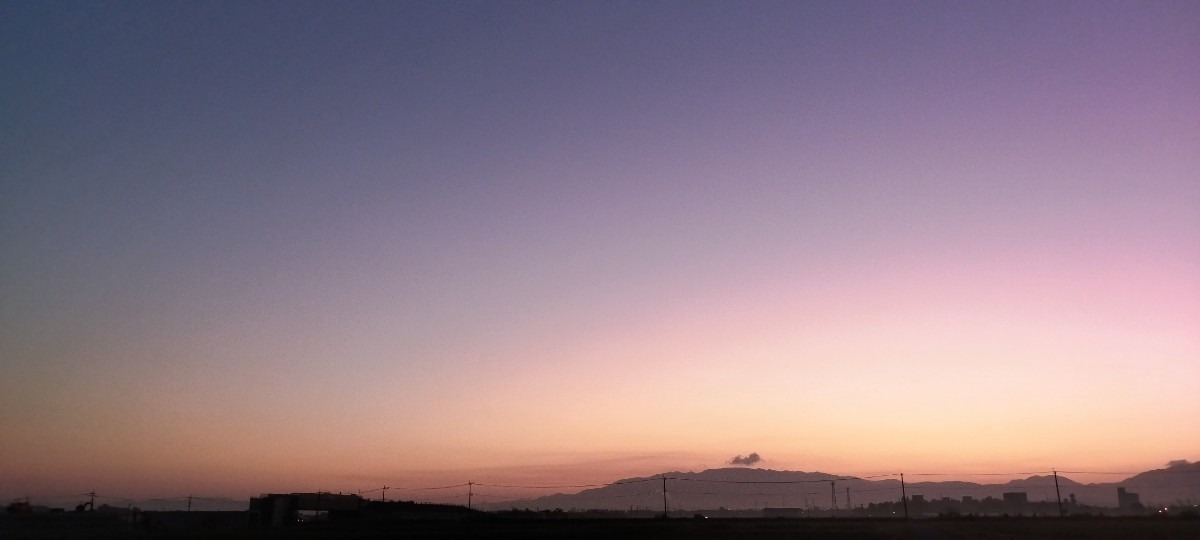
567	486
465	484
1157	472
614	496
821	481
739	494
980	474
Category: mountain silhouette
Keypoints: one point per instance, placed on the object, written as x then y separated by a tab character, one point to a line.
748	488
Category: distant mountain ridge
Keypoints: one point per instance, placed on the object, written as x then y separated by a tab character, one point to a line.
749	488
1183	475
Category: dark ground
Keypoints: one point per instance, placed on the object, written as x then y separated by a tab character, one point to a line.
631	529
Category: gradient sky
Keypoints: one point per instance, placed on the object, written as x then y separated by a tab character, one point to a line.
264	246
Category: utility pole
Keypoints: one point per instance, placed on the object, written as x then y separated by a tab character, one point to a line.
1058	495
92	501
470	493
664	479
903	496
849	507
189	503
833	496
384	496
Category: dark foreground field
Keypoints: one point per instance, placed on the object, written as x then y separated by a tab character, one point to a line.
765	529
761	529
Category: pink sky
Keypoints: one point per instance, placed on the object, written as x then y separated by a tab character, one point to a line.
271	248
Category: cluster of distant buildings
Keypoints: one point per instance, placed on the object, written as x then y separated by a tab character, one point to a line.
1013	503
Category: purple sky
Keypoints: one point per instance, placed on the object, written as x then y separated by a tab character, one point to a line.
405	240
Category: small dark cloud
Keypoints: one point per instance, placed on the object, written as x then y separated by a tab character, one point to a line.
746	460
1178	463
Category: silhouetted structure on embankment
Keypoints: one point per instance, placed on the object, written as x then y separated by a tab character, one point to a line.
275	510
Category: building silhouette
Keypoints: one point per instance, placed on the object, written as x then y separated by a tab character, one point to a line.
1127	500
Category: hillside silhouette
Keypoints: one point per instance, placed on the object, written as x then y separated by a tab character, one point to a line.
747	488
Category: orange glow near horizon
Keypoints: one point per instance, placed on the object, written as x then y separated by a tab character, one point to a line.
338	250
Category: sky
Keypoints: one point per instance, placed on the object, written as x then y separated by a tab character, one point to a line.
290	246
